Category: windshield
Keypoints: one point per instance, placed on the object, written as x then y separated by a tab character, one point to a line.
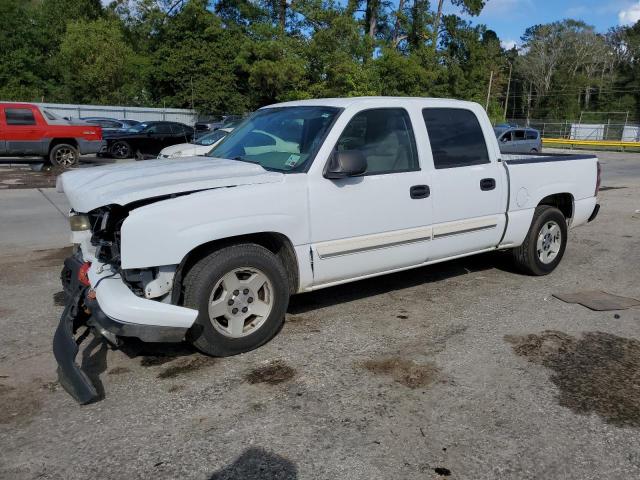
211	138
283	139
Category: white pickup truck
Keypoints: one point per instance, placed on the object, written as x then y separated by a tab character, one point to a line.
301	196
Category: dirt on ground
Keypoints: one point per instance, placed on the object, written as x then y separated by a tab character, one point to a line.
596	372
24	177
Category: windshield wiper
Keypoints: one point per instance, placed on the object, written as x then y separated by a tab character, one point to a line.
242	159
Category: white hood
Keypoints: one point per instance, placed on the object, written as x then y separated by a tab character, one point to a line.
89	188
185	150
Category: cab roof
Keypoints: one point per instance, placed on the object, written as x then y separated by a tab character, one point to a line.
373	101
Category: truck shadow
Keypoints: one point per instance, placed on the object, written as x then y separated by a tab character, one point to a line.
397	281
258	464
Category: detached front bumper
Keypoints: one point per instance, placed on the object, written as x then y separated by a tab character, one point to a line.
103	308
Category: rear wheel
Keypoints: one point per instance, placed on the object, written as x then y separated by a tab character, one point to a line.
241	294
64	155
545	243
120	149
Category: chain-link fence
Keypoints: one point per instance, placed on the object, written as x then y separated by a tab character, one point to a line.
576	130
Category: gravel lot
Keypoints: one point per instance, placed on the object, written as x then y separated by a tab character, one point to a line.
462	370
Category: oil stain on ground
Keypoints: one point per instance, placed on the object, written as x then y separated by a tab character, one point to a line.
272	373
405	372
52	257
155	360
59	299
118	371
186	365
595	373
17	406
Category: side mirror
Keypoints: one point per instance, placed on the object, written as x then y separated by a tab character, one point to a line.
348	163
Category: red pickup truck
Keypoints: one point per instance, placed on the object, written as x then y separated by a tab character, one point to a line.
30	130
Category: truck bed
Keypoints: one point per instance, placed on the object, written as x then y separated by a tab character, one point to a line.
534	177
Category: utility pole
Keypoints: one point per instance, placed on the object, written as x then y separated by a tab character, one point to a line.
506	100
486	108
529	102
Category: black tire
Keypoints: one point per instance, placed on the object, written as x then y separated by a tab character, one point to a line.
120	149
64	155
534	150
202	278
526	256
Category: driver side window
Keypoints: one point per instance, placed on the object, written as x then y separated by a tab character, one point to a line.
385	138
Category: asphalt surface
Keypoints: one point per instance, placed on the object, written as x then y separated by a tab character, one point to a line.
461	370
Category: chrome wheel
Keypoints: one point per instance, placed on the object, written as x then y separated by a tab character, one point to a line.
549	242
240	302
65	156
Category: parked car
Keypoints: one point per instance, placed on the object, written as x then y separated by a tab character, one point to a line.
110	124
146	138
209	124
302	196
518	140
30	130
201	146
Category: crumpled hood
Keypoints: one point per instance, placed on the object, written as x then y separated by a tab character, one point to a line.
93	187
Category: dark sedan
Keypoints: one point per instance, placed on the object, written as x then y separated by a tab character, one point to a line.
146	139
110	124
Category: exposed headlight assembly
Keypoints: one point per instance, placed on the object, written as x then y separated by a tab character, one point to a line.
79	223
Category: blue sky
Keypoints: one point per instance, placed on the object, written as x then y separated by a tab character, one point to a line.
510	18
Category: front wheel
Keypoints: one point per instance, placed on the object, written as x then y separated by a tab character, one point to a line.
545	243
241	294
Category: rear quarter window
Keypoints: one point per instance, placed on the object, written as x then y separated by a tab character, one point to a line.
19	116
456	137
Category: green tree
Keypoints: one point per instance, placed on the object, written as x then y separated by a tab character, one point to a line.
97	65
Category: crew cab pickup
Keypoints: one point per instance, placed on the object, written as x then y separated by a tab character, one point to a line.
301	196
30	130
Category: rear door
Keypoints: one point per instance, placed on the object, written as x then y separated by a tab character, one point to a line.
520	144
468	187
379	221
160	135
22	134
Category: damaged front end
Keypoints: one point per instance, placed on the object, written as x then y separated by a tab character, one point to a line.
65	346
110	301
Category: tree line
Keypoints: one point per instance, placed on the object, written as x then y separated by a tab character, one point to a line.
233	56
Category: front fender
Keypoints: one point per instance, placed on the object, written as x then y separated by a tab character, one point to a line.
163	233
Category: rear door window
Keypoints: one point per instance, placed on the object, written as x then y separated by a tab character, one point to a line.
456	137
19	116
160	128
518	135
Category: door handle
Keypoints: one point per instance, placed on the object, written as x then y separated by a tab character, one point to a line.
487	184
419	191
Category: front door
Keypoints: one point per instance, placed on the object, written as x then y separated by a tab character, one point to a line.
469	199
379	221
21	133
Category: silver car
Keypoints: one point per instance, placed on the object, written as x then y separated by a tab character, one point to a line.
518	140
